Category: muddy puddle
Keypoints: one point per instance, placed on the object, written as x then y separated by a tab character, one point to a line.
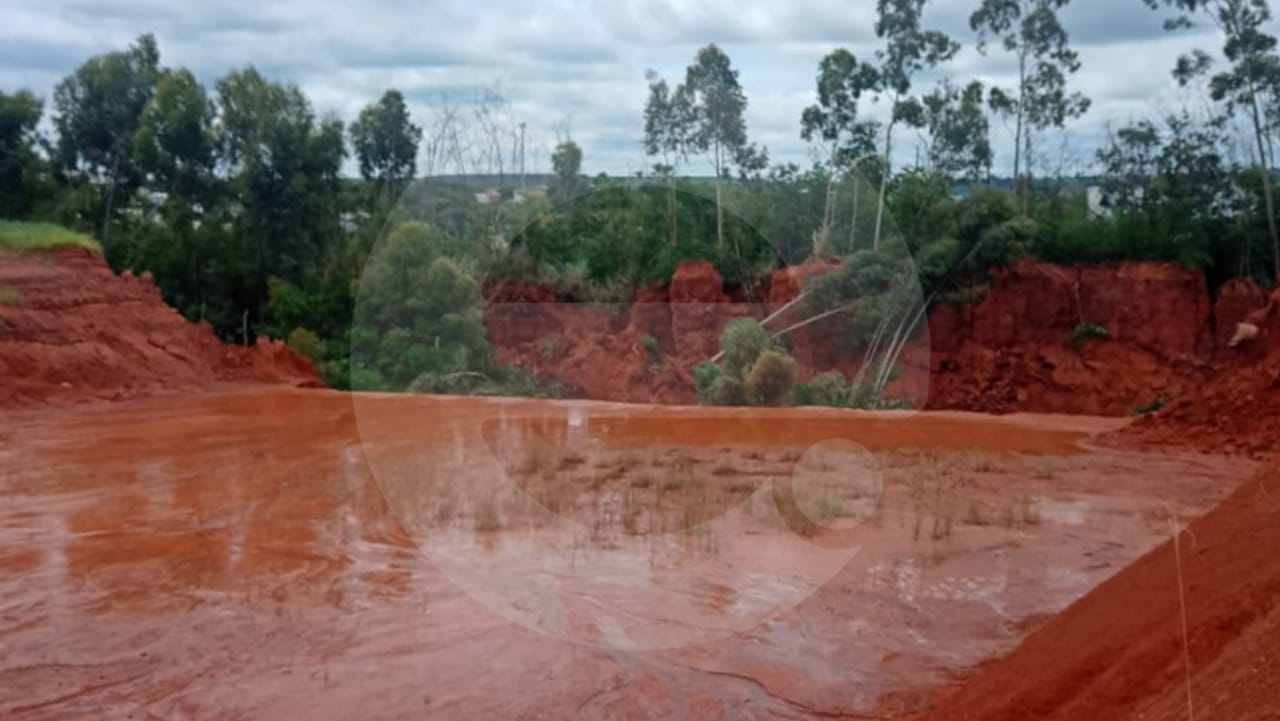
309	555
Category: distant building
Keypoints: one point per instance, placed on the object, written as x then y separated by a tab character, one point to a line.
491	196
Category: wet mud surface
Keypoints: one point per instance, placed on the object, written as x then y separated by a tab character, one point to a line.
290	554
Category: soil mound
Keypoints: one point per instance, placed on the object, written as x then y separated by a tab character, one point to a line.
1098	340
73	331
1238	410
1118	653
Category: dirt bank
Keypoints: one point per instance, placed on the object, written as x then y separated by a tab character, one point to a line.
1009	352
1238	409
73	331
1120	652
1012	351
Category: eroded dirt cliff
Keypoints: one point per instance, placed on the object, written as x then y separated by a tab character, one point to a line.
1120	652
1238	409
1011	351
71	331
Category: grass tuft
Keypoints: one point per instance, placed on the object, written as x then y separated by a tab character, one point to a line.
10	297
20	236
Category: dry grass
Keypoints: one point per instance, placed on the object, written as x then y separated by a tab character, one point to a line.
1044	467
614	495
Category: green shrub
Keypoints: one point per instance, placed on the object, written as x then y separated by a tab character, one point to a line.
704	377
651	348
367	379
742	342
726	391
1085	332
771	381
828	389
1160	402
307	344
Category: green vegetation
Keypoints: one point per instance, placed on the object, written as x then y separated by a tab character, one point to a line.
233	196
652	349
833	390
1085	332
755	371
20	236
1159	402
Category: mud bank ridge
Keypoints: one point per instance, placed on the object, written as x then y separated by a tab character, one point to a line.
1006	353
73	331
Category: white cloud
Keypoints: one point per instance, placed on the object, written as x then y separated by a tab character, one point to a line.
576	60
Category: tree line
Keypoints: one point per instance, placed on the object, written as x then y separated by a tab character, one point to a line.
235	197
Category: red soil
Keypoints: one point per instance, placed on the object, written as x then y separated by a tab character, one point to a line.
1238	410
73	331
1010	351
1007	353
597	350
1121	652
1118	653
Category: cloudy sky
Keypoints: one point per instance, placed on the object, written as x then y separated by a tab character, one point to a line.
577	64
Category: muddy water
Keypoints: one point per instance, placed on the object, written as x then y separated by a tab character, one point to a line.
309	555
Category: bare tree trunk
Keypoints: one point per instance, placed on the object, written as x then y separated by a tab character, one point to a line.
111	199
823	240
673	223
719	203
884	179
1267	190
1017	133
853	221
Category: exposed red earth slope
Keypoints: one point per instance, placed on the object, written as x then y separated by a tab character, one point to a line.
1118	653
72	331
1121	653
1010	352
1236	411
1007	353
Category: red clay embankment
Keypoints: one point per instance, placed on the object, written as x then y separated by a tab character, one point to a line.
73	331
1238	409
1007	353
1118	653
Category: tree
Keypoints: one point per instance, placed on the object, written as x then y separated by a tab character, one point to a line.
1030	30
1130	167
97	113
174	150
842	81
1254	70
386	143
419	315
717	104
174	143
959	131
566	164
668	129
908	50
20	161
283	164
